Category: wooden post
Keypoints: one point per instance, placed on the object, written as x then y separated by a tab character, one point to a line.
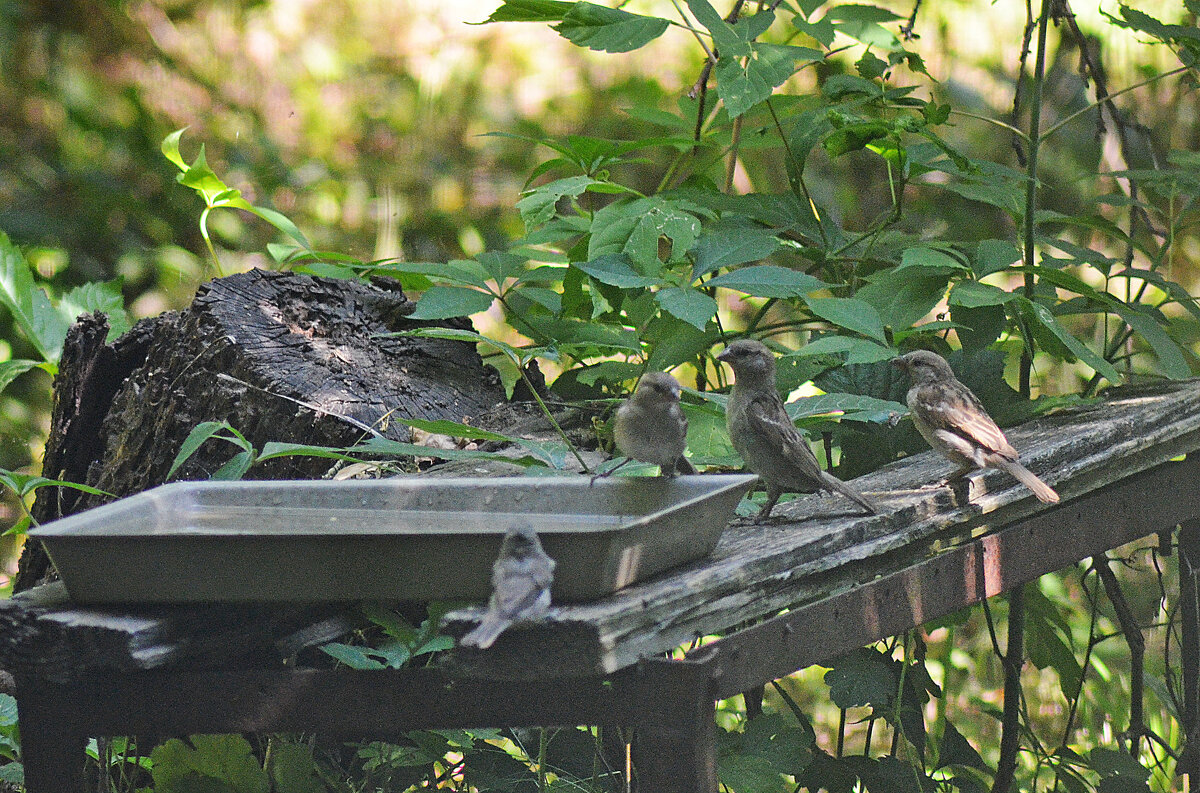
676	751
1189	651
53	757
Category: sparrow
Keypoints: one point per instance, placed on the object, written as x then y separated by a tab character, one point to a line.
521	579
764	435
953	421
651	427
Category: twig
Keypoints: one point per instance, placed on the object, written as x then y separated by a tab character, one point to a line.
1137	647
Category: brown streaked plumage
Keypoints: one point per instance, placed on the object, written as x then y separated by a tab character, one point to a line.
764	435
953	421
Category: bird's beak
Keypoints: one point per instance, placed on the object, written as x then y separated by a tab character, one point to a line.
900	363
724	356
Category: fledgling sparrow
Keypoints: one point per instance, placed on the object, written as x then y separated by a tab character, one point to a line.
951	418
764	435
650	425
521	579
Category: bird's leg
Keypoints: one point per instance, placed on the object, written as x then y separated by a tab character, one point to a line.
773	494
609	472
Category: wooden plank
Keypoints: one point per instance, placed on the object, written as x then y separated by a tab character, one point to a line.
758	570
41	633
933	587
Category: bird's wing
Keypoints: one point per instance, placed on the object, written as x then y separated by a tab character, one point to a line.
772	423
514	594
950	406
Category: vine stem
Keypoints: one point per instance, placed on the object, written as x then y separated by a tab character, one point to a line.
1031	191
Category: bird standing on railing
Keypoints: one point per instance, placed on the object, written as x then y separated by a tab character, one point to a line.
521	579
650	425
954	422
764	435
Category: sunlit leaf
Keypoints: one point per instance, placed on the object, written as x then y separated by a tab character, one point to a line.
444	302
850	313
768	280
530	11
608	29
31	310
691	305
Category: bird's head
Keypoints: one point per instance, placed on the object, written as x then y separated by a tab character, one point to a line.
750	359
520	540
923	366
657	388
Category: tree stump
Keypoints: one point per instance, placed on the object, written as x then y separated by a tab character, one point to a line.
279	356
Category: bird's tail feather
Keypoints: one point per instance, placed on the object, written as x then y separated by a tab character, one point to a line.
835	484
485	633
1043	491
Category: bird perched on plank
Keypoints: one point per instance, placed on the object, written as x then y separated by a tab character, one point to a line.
951	418
650	425
764	435
521	579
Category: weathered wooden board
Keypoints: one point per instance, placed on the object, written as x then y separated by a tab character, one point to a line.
758	570
42	634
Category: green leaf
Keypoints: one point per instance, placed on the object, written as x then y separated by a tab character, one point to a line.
614	269
904	297
744	84
725	37
1170	354
453	429
930	258
102	296
635	229
352	655
538	206
531	11
860	678
608	29
972	294
30	308
12	369
954	749
978	327
730	244
691	305
235	468
850	313
820	29
1039	314
281	222
768	280
850	407
195	439
444	302
458	271
861	13
180	767
273	449
293	769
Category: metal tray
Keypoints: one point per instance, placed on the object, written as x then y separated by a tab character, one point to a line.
392	539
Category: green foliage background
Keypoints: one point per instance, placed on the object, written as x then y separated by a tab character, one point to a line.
875	203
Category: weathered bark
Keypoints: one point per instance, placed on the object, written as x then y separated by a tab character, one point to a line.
280	356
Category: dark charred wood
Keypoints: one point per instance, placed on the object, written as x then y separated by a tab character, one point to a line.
279	356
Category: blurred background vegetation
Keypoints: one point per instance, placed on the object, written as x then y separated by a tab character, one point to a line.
364	121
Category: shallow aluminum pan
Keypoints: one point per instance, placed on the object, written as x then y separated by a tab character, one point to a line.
392	539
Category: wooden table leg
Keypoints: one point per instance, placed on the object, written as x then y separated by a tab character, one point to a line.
675	750
1189	652
53	757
